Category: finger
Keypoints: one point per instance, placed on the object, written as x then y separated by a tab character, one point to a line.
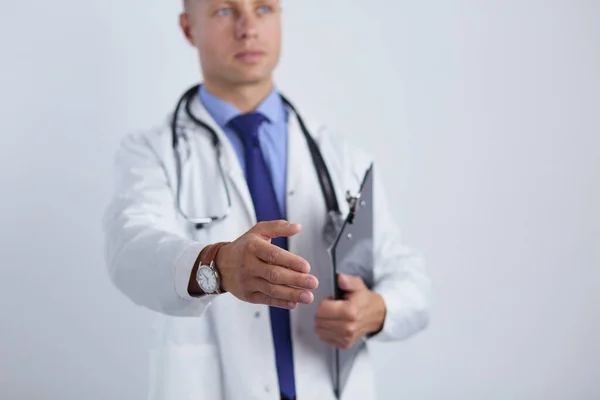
262	298
331	339
277	228
283	276
339	342
341	329
329	325
271	254
350	283
281	292
327	309
330	309
342	310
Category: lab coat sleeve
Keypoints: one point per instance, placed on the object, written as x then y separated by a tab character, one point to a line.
148	257
399	275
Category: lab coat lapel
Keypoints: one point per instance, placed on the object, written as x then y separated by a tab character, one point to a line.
306	206
232	167
297	158
304	198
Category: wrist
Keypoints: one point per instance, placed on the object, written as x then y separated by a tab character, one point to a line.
193	287
376	315
206	261
218	266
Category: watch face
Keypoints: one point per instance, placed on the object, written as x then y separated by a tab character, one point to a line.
206	279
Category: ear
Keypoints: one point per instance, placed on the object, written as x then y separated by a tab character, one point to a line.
185	22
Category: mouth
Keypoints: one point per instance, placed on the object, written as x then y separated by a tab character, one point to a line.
249	56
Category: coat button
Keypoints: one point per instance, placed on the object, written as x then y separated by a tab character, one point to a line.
257	314
267	389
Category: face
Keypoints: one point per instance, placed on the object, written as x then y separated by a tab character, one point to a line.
239	41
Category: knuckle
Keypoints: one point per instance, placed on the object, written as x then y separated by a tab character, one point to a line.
352	313
348	330
271	290
273	256
273	275
250	246
281	224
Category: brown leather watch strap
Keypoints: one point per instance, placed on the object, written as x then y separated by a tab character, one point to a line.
211	253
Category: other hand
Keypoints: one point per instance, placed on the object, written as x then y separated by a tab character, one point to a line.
341	323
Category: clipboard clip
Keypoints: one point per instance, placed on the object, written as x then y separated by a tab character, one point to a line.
353	204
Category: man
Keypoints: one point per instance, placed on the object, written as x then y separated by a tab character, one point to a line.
270	330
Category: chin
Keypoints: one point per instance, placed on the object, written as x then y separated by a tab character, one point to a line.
253	77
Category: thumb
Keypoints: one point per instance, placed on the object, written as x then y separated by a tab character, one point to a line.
277	228
350	283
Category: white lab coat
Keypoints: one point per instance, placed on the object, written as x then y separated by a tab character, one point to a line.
218	347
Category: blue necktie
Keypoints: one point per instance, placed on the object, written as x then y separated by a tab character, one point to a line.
261	189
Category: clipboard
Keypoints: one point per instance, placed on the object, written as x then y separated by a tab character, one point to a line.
352	254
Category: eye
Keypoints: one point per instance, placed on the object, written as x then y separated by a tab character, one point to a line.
224	12
264	9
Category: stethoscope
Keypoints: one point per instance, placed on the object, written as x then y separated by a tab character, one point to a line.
322	172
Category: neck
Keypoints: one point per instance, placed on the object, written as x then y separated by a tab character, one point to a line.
245	97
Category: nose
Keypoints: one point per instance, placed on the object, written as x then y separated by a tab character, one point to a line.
246	25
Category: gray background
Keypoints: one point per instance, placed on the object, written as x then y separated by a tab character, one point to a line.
483	116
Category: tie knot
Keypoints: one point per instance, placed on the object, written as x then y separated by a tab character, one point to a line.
246	126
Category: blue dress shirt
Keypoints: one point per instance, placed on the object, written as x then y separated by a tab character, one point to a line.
272	135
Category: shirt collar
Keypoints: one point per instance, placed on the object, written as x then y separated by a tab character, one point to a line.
222	112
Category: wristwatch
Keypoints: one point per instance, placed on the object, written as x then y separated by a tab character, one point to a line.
207	275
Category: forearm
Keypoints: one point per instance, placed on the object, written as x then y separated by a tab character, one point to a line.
148	254
152	266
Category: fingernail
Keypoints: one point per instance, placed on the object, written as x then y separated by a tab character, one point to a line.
302	267
291	304
305	298
309	283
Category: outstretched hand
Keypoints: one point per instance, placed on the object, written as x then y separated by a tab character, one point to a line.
256	271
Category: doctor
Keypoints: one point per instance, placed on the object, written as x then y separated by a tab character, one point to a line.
243	297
